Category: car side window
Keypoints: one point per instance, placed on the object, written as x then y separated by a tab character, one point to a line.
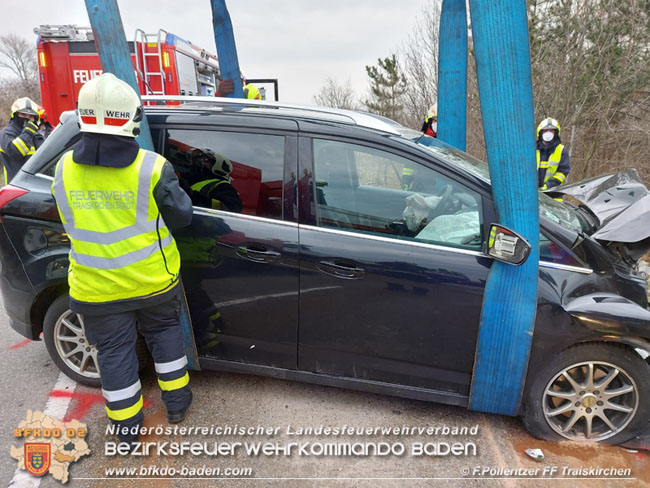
365	190
554	253
250	180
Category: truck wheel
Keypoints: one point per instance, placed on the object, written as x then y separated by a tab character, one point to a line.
66	343
589	392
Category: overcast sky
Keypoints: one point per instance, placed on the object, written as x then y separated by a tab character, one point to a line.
300	42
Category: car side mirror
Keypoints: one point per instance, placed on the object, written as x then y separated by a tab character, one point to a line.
507	246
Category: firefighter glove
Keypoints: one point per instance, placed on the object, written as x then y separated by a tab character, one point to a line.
31	127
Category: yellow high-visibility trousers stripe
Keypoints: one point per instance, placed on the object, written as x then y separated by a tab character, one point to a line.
125	413
176	384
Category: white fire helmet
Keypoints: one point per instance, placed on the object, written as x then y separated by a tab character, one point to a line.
222	165
108	105
218	164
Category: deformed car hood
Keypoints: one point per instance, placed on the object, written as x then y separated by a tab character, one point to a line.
620	201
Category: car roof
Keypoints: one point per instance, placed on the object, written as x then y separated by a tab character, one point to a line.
276	109
344	119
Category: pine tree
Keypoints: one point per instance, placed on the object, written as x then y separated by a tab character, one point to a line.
387	88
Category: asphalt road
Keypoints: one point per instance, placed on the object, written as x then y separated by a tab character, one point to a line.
283	407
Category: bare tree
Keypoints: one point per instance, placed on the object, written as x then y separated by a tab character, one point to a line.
336	95
18	56
420	55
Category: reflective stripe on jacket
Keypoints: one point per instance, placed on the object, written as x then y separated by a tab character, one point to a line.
16	145
121	248
216	204
551	166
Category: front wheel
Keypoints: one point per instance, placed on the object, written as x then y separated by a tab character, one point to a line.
590	392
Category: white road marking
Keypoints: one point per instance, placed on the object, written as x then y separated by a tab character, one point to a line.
55	407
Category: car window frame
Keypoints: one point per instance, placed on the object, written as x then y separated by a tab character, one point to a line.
289	161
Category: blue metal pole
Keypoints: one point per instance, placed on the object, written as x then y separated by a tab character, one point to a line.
113	50
500	32
452	74
226	49
114	55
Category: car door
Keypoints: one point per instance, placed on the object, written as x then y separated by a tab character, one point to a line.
240	270
391	268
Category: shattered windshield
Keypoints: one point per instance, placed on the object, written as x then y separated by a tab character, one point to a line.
556	211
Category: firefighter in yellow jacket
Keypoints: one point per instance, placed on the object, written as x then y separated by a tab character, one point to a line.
553	160
118	204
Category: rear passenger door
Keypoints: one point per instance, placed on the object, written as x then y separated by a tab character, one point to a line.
240	270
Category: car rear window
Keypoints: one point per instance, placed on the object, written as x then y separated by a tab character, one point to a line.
63	137
257	165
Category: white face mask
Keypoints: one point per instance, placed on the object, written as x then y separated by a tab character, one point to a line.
548	136
434	127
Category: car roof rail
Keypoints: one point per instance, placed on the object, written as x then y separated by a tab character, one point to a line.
361	119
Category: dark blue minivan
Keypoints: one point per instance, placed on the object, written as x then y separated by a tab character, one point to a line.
359	260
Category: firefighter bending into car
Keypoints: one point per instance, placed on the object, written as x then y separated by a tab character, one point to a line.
118	204
212	187
553	160
20	139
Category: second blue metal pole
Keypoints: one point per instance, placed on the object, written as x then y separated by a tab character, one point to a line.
226	49
452	74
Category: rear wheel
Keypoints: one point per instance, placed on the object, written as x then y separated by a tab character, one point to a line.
591	392
67	345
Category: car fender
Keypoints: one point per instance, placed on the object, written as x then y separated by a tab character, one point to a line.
613	317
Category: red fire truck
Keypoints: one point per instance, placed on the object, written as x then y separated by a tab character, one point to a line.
165	64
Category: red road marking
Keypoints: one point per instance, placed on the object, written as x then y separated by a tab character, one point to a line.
20	344
85	401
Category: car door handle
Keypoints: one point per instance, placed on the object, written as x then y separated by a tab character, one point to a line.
341	269
258	253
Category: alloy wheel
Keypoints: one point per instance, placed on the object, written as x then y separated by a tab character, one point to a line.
590	401
72	345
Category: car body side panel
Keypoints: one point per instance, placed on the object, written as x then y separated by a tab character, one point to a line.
563	297
241	279
411	316
610	313
17	291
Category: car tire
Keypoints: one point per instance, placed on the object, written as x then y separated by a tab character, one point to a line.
63	333
560	399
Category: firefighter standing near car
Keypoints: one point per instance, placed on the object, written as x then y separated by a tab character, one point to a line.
20	139
225	87
430	125
553	160
118	203
251	92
